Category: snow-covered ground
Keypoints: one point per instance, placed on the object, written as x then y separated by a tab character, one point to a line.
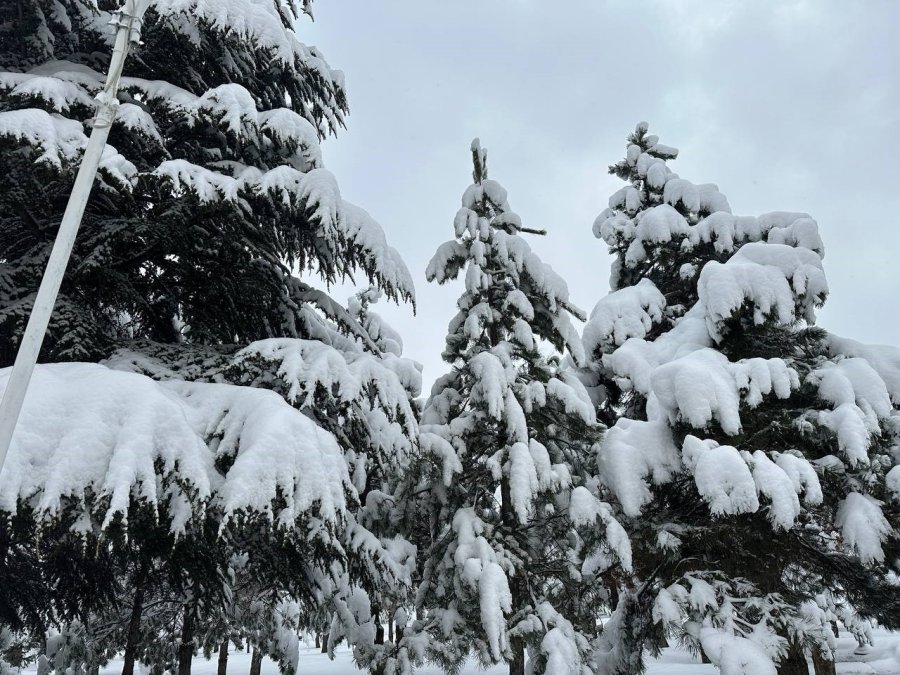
883	659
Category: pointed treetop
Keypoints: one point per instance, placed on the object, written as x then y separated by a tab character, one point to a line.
479	161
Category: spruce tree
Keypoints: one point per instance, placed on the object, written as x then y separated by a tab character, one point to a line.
505	440
756	473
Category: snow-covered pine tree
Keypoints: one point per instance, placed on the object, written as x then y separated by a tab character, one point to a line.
759	479
505	439
646	241
653	266
211	193
212	198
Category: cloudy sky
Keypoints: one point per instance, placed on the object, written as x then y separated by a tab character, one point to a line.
786	105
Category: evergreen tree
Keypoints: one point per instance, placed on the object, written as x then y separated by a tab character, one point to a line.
211	201
210	195
757	473
506	441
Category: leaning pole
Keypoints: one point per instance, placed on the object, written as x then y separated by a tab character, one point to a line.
128	30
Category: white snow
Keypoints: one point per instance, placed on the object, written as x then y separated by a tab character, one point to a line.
477	563
61	140
734	654
704	385
722	476
863	525
779	282
884	359
85	427
883	659
623	314
632	452
775	484
859	398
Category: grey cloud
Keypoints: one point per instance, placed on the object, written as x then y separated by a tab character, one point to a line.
786	105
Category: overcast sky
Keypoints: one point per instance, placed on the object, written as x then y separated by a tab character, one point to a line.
785	105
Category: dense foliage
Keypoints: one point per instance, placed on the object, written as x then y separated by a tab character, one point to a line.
235	481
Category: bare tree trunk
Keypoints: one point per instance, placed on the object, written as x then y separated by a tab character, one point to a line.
823	663
377	669
223	658
134	621
794	662
256	662
186	648
517	663
324	643
379	627
390	622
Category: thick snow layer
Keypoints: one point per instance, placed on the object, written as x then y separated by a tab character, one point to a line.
477	564
704	385
586	509
776	485
863	526
61	94
633	455
859	399
884	359
722	476
735	655
778	282
85	427
636	359
623	314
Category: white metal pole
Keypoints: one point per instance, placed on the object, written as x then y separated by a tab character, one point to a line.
128	22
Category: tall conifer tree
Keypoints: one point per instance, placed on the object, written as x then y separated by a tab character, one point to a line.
755	470
506	437
211	201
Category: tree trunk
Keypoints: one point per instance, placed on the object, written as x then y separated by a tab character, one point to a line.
134	622
324	643
377	669
794	662
223	658
390	623
823	664
318	643
379	627
256	662
517	663
186	648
